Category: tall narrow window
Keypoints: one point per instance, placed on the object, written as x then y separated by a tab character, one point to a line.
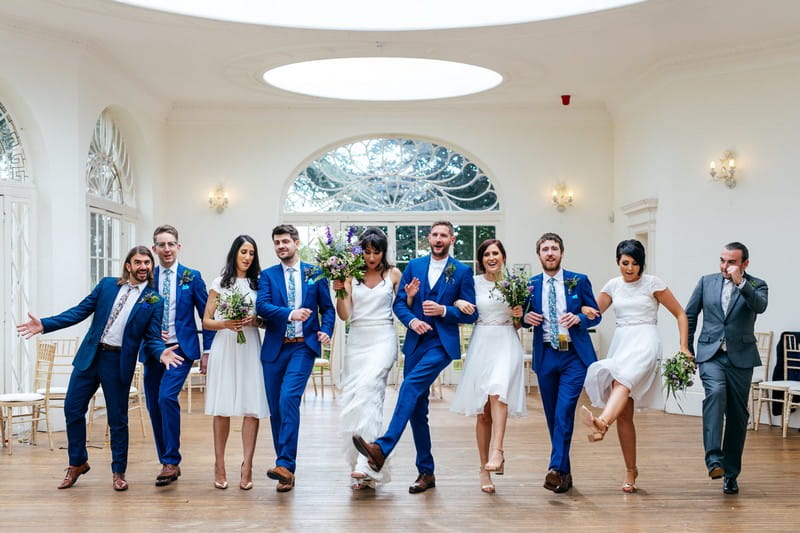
12	158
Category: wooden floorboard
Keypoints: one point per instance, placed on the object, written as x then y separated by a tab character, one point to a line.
675	494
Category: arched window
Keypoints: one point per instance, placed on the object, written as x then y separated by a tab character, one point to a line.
12	158
110	192
400	184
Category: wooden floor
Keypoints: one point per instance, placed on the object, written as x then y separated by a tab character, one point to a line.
675	493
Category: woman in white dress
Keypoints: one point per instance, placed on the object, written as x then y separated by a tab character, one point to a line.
629	377
370	352
492	385
235	381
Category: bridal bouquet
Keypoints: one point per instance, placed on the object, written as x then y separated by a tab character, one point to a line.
514	290
235	305
678	374
338	258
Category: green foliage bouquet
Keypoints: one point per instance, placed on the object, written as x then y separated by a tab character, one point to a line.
338	258
678	374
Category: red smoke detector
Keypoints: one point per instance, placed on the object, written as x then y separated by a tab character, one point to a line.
565	99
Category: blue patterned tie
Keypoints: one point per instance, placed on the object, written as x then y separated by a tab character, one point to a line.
551	313
166	287
291	297
117	308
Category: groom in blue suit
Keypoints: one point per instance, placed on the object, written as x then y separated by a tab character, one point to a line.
184	294
127	316
562	350
431	344
290	301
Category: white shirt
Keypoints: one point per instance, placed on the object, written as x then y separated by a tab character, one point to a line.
561	303
173	297
435	270
298	293
113	336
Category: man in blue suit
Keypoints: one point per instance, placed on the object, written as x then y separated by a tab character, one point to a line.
183	292
290	301
127	316
562	350
431	344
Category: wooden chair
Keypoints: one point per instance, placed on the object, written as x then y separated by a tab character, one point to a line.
526	339
194	380
400	329
777	391
322	366
38	403
62	367
760	373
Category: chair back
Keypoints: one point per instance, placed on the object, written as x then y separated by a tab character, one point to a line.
400	329
43	372
465	334
764	344
791	355
526	338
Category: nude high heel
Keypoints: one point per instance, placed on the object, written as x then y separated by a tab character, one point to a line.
498	466
597	424
488	488
630	487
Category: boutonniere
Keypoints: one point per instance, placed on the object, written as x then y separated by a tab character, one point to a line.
448	272
187	277
571	283
149	299
753	283
310	275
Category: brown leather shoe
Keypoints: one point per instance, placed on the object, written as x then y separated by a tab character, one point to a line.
73	472
371	451
285	487
119	481
557	482
282	474
423	483
169	473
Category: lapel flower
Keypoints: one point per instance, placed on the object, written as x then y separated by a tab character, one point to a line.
571	283
448	272
187	277
149	298
753	283
309	275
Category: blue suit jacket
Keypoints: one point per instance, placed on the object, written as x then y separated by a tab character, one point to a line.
190	296
576	297
273	308
456	282
143	328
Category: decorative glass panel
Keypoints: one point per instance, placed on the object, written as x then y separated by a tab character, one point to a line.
391	175
106	245
108	170
12	159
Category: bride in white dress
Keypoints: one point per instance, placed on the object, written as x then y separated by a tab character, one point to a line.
492	385
370	352
629	377
235	381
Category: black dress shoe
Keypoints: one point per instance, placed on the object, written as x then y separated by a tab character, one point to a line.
715	471
371	451
423	483
730	486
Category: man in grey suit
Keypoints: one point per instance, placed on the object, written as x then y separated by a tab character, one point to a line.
726	353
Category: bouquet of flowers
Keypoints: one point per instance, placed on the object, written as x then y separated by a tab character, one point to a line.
514	290
678	374
235	305
338	258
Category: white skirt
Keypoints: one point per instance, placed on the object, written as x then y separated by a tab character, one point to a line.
493	366
634	360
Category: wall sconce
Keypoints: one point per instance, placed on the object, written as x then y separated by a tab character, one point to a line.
562	197
727	169
218	199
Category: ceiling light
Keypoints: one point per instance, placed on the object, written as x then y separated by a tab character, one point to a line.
382	78
369	15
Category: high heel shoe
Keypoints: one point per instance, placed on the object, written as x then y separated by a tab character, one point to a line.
497	467
221	484
630	487
243	485
597	424
489	487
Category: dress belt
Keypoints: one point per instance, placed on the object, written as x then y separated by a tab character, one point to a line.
110	348
290	340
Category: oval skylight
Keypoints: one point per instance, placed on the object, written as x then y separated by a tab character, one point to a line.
369	15
382	78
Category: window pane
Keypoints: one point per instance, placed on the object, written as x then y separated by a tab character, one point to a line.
464	247
423	246
406	244
482	233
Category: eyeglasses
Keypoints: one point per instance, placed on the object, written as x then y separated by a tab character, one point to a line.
170	244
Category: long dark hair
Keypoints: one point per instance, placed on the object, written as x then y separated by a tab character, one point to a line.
229	272
136	250
376	239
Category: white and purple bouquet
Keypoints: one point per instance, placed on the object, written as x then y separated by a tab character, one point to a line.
339	258
678	373
235	305
514	289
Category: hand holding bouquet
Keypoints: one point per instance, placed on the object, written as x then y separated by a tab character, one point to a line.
678	374
514	290
235	305
339	259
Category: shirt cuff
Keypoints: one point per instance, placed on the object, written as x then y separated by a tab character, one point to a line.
444	312
741	283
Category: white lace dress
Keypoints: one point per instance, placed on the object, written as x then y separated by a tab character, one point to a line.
235	377
493	364
370	352
635	353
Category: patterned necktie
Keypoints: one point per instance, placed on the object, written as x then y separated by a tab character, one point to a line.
551	313
128	288
290	332
727	290
166	288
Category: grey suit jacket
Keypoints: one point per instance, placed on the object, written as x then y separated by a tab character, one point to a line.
735	326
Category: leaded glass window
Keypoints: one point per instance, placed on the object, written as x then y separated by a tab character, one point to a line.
12	158
391	175
108	170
